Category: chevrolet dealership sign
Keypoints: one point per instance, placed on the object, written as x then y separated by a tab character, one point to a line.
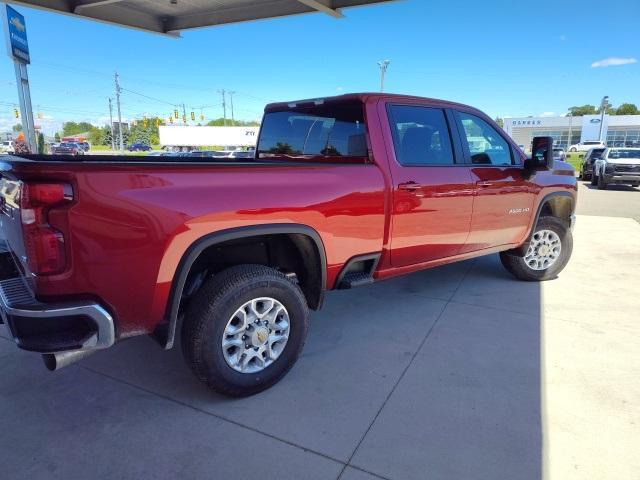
17	44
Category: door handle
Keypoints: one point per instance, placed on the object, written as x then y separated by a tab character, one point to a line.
409	186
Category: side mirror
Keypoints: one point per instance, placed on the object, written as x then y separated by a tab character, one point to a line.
541	154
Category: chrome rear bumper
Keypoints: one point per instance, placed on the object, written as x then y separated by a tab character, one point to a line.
53	327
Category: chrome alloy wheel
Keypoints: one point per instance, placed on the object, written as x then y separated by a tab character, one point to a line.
256	335
544	250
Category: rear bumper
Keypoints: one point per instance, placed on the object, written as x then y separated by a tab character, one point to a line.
52	327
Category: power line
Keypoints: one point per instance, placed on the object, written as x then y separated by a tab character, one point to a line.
150	98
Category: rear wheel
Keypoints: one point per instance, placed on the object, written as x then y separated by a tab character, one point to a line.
548	252
245	329
594	179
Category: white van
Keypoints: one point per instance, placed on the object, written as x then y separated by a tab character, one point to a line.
7	147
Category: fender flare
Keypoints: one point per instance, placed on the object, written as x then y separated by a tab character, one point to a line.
523	248
166	331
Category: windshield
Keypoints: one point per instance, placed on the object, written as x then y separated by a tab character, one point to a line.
597	153
318	130
616	154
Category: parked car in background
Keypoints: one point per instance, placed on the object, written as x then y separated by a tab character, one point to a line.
586	167
85	146
558	153
139	147
617	165
7	147
585	146
67	148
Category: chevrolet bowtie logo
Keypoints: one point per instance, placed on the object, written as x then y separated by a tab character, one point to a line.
18	24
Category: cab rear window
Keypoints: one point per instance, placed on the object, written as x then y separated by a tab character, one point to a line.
315	131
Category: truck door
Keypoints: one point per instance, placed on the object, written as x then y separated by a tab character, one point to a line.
432	194
503	200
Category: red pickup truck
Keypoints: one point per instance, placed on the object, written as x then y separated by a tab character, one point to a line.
342	192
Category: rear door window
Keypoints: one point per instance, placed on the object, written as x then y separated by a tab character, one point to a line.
420	135
319	130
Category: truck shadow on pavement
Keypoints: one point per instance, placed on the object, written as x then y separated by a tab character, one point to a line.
432	375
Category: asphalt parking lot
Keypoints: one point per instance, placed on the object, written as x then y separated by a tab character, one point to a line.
456	372
615	201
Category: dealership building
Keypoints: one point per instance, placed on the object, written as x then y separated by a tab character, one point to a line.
616	130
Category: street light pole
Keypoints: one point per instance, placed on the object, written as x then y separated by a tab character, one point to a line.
113	140
570	130
120	139
384	64
603	108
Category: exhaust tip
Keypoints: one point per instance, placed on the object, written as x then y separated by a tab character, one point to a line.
55	361
49	360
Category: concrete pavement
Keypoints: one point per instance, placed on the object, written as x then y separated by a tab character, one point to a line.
456	372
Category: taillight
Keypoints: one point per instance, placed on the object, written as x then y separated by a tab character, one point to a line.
43	243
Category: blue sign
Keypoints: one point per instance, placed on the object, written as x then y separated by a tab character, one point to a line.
17	30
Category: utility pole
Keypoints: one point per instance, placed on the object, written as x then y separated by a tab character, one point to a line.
384	64
570	130
184	114
117	78
113	140
603	108
233	118
224	106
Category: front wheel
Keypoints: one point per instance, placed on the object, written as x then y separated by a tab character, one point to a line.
594	179
245	329
574	149
548	252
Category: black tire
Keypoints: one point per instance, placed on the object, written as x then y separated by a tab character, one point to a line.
212	308
594	179
602	184
514	262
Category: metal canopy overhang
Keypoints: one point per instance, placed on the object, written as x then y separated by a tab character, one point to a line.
171	16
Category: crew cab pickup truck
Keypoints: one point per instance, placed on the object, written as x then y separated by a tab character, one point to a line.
617	165
341	192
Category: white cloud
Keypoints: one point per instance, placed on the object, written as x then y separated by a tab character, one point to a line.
340	89
563	37
613	61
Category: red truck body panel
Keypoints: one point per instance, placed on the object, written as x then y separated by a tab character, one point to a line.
131	223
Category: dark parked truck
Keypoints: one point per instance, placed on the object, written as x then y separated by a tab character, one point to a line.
342	192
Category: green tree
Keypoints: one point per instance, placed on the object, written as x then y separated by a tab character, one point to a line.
627	109
500	122
17	127
40	141
583	110
56	137
145	132
73	128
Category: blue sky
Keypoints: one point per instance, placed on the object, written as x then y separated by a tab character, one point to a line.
507	58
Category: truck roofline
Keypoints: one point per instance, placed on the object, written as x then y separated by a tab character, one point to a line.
363	97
